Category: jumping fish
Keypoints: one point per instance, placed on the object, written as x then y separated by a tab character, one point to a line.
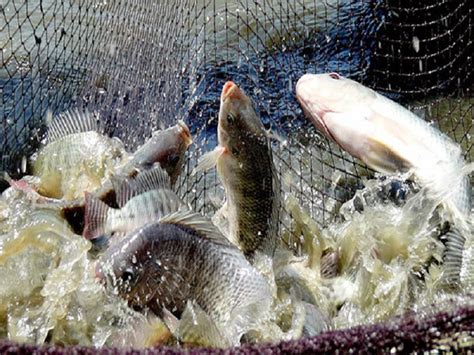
166	147
245	166
391	139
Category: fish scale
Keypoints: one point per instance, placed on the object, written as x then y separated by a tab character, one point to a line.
245	167
144	208
145	198
178	262
390	139
251	194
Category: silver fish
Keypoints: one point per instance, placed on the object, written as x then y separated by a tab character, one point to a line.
166	147
182	258
391	139
143	199
245	166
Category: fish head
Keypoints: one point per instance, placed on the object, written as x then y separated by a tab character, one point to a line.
123	267
344	111
238	121
323	94
166	147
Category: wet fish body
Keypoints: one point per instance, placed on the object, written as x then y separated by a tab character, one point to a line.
143	199
140	210
167	147
76	157
245	166
181	258
391	139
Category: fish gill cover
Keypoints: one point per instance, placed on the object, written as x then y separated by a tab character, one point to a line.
145	64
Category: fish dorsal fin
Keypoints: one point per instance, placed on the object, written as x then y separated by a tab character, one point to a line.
199	223
70	122
148	180
208	160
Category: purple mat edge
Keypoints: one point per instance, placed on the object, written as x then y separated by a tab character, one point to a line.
405	334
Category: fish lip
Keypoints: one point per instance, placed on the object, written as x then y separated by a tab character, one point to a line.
231	91
185	133
227	89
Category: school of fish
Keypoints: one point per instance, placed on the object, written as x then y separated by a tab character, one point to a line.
98	247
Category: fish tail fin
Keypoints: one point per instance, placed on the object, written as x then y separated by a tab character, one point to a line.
453	256
208	160
95	217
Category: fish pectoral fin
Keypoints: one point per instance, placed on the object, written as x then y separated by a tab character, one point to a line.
208	160
195	327
170	320
197	222
70	122
148	180
453	256
383	159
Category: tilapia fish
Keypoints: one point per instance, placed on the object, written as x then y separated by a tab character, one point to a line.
245	166
391	139
166	147
76	158
143	199
183	258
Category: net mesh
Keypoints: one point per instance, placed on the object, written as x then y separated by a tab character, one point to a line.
144	64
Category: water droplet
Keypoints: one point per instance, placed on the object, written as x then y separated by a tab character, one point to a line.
416	44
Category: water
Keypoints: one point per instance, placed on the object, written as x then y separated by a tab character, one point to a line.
134	72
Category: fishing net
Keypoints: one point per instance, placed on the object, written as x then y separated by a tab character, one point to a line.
144	64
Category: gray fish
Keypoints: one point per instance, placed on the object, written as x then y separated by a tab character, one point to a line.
143	199
182	258
245	166
166	147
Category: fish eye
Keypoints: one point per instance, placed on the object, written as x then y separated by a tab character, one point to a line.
231	118
335	76
173	159
128	275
